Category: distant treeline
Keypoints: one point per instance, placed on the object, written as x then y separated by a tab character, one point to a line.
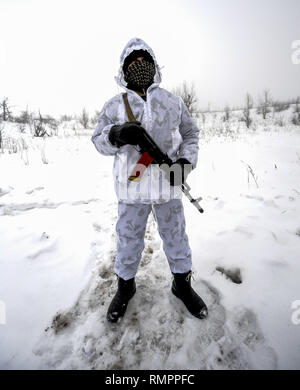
42	125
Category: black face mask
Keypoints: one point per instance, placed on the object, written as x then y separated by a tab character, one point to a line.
140	75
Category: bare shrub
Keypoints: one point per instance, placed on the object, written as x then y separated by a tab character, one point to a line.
296	120
280	122
250	173
296	117
297	106
264	104
247	111
94	119
1	135
84	118
12	145
22	128
39	127
203	117
227	113
280	106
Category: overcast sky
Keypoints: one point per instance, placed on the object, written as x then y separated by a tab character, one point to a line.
61	55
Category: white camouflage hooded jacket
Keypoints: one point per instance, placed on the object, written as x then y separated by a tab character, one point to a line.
166	119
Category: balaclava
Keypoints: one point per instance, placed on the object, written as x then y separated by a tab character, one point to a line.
139	76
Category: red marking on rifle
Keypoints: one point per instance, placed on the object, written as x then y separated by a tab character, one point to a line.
144	161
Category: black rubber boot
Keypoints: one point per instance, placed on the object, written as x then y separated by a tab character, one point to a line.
182	289
118	306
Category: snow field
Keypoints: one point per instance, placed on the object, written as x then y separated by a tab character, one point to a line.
58	244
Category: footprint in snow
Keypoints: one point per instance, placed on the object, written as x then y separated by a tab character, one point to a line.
157	332
234	274
243	230
97	227
4	191
34	190
220	205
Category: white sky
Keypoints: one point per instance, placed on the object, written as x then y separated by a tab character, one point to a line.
61	55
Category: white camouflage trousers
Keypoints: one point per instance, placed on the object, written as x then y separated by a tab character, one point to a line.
131	226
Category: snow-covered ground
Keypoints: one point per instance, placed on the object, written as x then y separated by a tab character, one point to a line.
58	243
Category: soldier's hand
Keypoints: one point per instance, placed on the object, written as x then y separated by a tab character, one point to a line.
179	171
127	133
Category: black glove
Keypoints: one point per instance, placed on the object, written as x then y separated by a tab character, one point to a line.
181	171
128	133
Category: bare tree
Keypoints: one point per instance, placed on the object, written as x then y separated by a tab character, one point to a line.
94	119
227	113
1	134
189	96
5	110
297	106
247	110
264	104
84	119
39	126
296	116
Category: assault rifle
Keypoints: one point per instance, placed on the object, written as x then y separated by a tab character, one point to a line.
152	153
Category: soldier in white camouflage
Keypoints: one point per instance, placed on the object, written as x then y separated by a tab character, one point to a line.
167	120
